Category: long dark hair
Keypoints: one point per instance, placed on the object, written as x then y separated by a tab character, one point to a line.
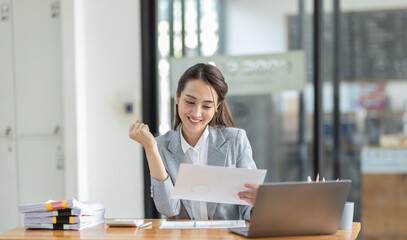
212	76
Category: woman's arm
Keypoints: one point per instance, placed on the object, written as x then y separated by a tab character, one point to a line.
140	132
161	183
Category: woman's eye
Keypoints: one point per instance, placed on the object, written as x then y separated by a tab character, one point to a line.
207	107
189	102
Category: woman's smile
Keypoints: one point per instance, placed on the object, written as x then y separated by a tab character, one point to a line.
194	121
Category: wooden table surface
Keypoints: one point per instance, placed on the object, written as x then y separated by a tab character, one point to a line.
101	231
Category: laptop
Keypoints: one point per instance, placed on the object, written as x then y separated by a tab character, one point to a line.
297	208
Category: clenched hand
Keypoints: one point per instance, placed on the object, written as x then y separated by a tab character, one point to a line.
140	133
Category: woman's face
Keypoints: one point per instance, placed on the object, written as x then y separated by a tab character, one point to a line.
196	107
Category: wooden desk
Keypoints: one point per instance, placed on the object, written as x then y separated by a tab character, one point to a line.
101	231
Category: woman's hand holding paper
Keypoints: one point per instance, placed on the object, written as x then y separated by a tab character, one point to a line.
249	196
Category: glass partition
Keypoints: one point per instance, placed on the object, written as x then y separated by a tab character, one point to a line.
246	29
369	55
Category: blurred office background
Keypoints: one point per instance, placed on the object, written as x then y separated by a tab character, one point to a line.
75	74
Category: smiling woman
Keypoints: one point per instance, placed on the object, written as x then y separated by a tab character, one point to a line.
200	100
194	111
203	134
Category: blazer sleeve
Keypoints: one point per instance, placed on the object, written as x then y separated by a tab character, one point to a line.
161	191
244	160
161	194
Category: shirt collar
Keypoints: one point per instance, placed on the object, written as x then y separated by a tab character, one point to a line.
185	145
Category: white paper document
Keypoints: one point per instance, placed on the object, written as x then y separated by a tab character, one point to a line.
202	224
215	184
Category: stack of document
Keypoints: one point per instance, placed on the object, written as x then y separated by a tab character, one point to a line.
69	214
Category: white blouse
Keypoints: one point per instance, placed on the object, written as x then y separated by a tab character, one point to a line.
197	155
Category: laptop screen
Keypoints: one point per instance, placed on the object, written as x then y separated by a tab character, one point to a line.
298	208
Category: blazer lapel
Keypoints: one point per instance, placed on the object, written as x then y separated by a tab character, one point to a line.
217	152
217	149
174	156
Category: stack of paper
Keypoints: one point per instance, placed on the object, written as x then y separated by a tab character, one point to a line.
64	215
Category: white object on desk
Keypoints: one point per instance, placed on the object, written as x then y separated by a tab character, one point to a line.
145	224
347	216
202	224
215	184
124	222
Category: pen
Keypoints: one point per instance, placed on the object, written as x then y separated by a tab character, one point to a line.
145	224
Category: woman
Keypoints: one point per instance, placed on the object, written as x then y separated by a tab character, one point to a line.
203	134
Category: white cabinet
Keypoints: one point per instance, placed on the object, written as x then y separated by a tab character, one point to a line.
31	128
7	120
41	169
37	48
8	161
8	185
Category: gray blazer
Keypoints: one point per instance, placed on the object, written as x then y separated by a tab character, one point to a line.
228	147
